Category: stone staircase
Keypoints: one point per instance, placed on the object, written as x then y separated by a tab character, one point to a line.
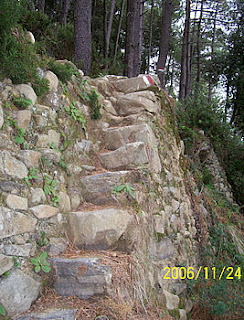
128	150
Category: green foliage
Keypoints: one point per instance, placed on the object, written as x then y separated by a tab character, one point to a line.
41	263
94	104
20	136
16	262
40	85
21	102
10	14
50	189
2	311
32	177
126	188
63	71
43	241
197	113
76	114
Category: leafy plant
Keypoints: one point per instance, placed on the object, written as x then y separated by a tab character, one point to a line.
50	189
63	71
76	114
20	139
43	241
94	104
2	311
126	188
16	262
32	176
41	263
21	102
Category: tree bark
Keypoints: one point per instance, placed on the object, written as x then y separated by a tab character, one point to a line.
82	23
41	5
119	29
185	54
212	54
133	37
167	14
150	36
198	45
109	30
65	11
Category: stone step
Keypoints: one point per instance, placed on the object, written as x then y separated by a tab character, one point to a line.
130	156
98	229
116	137
97	189
51	314
82	277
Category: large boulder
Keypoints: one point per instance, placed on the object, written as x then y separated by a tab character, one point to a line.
81	277
130	156
17	292
116	137
137	102
13	222
11	166
98	229
145	82
22	117
53	81
27	92
98	188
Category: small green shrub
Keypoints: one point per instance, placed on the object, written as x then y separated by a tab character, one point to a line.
40	86
76	114
50	189
94	104
63	71
41	263
126	188
32	177
21	102
43	241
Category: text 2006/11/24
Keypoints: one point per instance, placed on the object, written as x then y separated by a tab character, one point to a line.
193	273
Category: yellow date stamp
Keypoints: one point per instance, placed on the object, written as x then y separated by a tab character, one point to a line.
194	273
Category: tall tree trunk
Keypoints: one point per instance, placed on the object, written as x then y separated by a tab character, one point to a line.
41	5
167	14
150	36
212	54
185	55
82	22
198	44
172	78
105	25
109	30
119	29
133	38
65	11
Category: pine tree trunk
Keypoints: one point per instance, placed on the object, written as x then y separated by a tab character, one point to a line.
167	14
109	30
150	36
198	45
119	29
82	22
41	5
65	11
185	54
133	38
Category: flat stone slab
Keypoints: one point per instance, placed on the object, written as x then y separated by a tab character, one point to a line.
130	156
81	277
17	292
44	211
137	102
13	222
98	229
50	315
97	189
11	166
136	84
